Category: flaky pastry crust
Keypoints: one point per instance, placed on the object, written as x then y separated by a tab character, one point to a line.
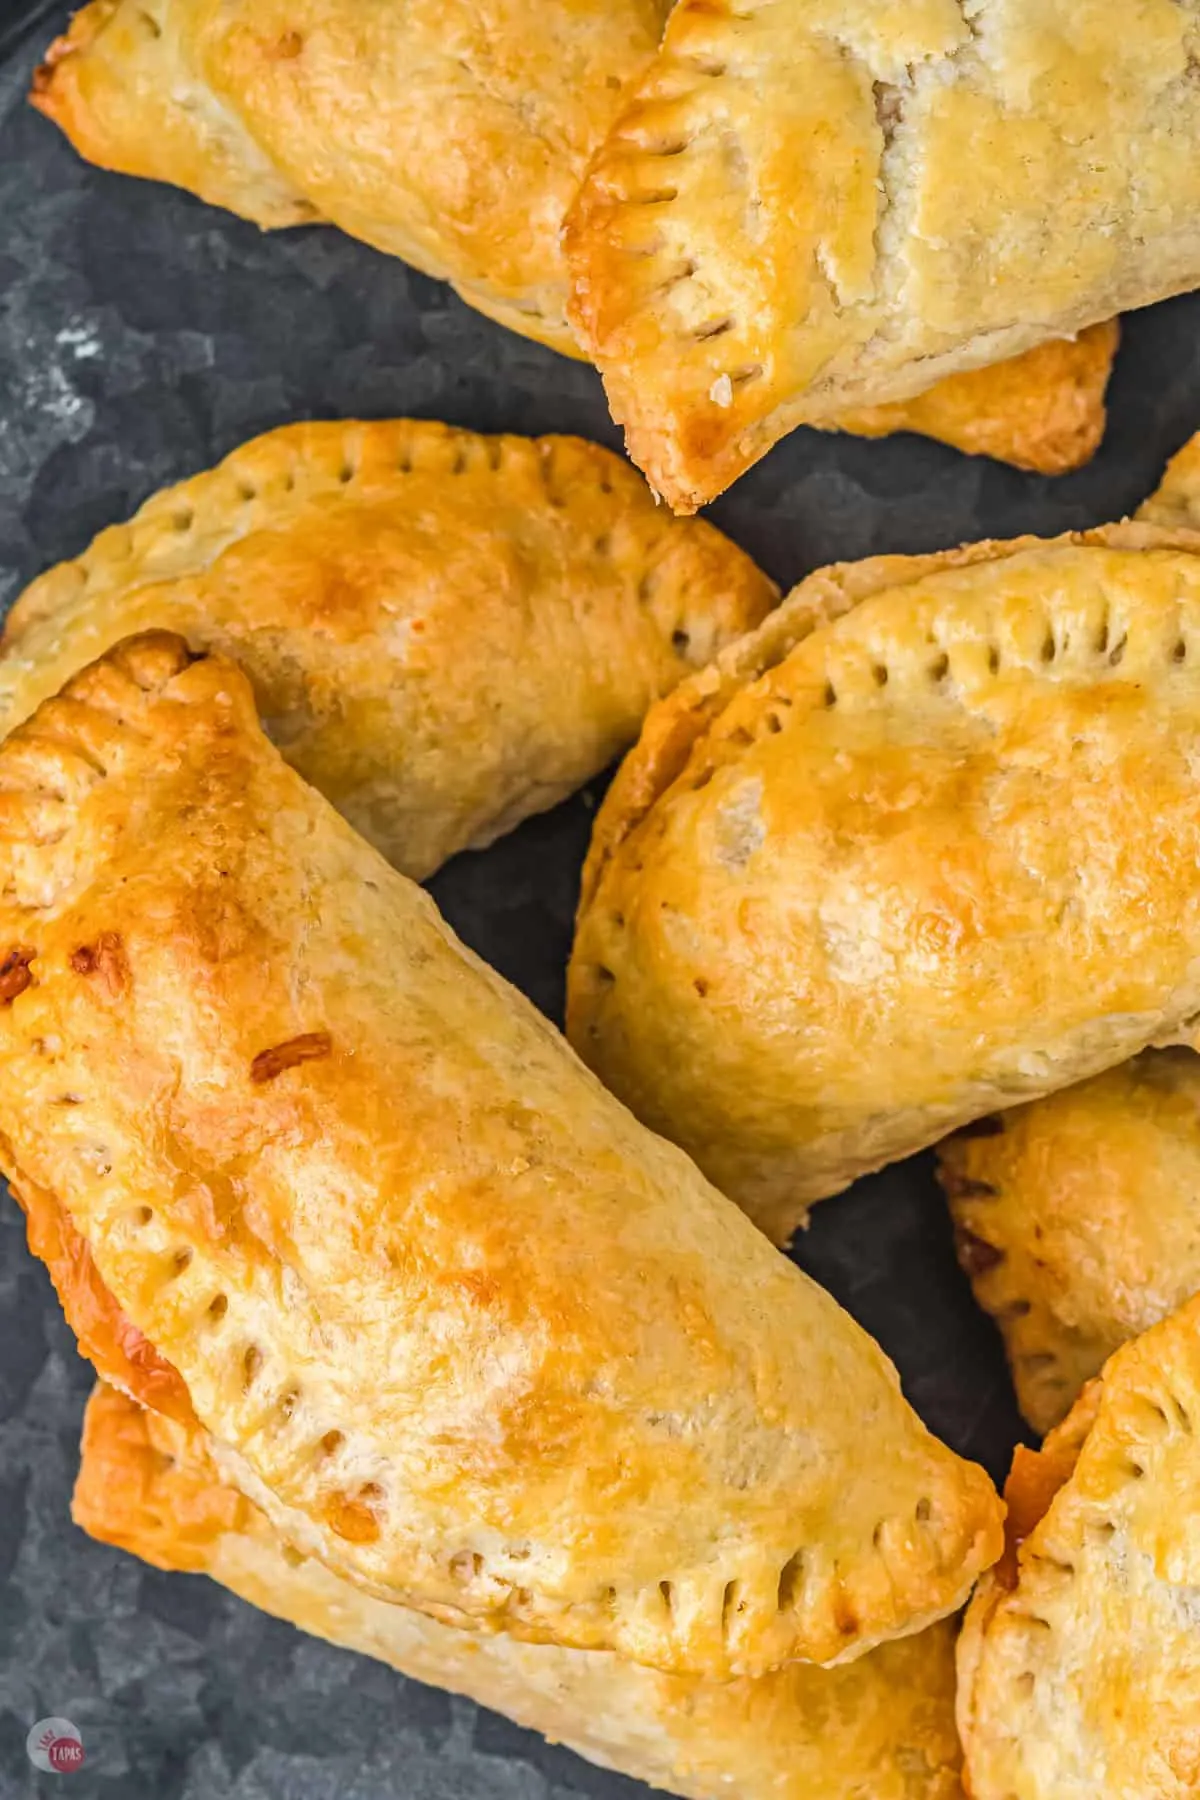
1079	1662
1078	1220
923	846
454	1320
811	205
446	632
1043	411
464	166
882	1726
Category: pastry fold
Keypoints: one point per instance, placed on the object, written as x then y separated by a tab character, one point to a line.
1078	1220
445	632
460	1325
810	205
1078	1666
923	846
883	1725
454	136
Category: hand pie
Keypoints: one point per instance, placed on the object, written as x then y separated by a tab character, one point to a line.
810	205
448	133
464	165
882	1726
458	1324
868	879
445	632
1078	1219
1079	1666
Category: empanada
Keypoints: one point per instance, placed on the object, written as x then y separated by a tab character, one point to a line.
1079	1663
448	132
452	1318
454	136
445	632
882	1726
857	885
810	205
1078	1219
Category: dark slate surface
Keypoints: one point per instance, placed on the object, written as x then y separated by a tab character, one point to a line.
141	337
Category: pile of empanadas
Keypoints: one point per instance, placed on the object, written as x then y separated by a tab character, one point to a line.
469	1347
613	198
407	1330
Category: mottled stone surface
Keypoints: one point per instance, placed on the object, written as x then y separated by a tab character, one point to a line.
141	337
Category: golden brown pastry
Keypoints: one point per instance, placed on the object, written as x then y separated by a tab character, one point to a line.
464	167
454	1320
448	132
1042	411
882	1726
1175	503
445	632
859	884
810	205
1079	1673
1078	1219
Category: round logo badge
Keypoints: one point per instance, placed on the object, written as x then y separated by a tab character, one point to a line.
55	1746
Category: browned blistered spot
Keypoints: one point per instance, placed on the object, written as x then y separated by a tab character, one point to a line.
353	1519
105	959
15	975
308	1047
288	46
975	1254
845	1617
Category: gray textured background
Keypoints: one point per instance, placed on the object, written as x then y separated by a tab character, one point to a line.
141	337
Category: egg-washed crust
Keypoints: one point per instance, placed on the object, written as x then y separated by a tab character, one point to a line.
812	205
1175	502
1081	1676
883	1725
672	727
122	85
445	631
1078	1220
836	904
440	131
460	1325
267	135
1043	411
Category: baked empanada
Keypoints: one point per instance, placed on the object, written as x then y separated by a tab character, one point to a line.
1079	1663
859	884
882	1726
1078	1219
451	1317
448	132
445	632
810	205
464	165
